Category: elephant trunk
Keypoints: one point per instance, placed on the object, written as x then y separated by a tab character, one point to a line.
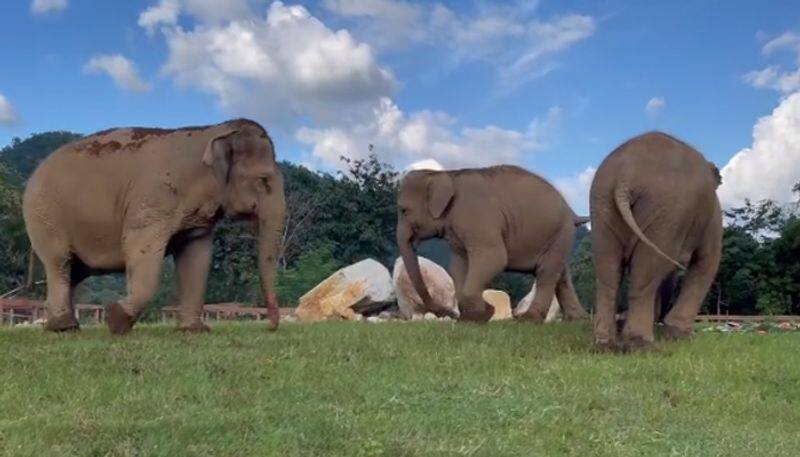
271	218
405	238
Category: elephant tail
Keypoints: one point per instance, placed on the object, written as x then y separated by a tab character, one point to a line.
623	201
580	220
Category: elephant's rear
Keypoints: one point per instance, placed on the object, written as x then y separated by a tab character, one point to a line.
668	185
67	189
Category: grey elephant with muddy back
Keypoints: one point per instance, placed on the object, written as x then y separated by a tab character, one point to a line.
494	219
122	199
654	210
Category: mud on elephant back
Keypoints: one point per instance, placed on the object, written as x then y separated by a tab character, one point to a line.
122	199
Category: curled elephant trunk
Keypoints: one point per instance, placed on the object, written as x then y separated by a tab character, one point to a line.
271	216
405	238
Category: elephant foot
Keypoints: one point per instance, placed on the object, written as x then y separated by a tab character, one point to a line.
62	323
480	315
605	346
273	319
119	322
273	312
447	312
576	316
194	327
673	333
636	344
531	316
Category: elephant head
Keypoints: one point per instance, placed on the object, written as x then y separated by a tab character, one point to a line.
423	201
242	158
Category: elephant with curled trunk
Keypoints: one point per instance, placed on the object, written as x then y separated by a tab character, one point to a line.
494	219
123	199
654	209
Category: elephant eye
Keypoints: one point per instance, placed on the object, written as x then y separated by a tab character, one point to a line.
265	182
403	210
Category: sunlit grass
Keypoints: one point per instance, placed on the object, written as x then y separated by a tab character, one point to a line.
422	388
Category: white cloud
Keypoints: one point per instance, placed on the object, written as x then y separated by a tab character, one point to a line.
290	68
399	138
575	190
285	66
121	70
8	115
654	107
424	164
506	35
770	167
164	13
46	6
388	23
774	76
547	38
167	12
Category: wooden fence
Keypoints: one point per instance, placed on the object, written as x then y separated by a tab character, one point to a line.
22	310
19	310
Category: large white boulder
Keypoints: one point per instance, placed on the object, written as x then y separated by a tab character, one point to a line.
440	288
347	293
553	313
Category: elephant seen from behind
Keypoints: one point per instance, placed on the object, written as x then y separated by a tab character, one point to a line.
654	209
494	219
122	199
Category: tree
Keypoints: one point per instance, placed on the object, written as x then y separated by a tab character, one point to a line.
582	267
311	268
24	155
14	246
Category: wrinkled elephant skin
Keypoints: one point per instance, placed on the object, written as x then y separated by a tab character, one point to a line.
654	210
494	219
123	199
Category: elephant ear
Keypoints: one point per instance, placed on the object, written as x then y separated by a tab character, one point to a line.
440	193
219	155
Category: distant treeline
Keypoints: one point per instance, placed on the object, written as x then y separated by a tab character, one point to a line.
335	220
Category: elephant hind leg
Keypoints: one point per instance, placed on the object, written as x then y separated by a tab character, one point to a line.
568	299
608	263
60	314
648	272
679	320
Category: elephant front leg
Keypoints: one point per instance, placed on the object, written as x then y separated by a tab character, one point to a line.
483	265
144	260
192	263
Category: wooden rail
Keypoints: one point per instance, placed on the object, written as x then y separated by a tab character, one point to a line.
17	310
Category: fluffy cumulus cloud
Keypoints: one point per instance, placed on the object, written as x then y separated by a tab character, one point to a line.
508	35
401	138
166	12
289	68
8	115
121	70
47	6
575	190
387	23
770	167
654	107
775	76
286	65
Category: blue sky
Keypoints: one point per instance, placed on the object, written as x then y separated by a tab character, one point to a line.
552	86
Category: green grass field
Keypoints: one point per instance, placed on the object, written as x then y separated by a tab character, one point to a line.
423	388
